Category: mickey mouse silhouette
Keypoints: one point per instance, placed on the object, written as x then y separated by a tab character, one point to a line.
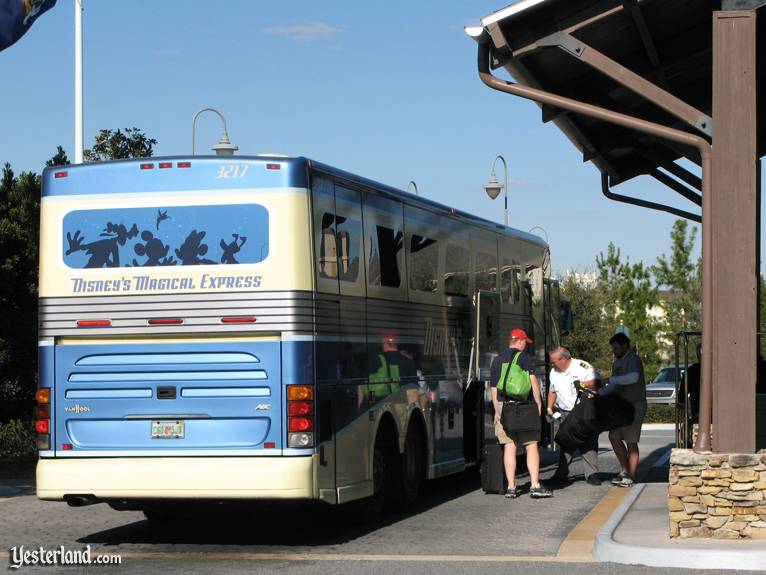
230	249
192	248
154	249
103	253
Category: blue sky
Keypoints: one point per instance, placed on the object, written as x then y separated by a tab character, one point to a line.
388	90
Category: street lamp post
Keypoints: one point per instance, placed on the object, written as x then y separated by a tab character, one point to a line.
414	185
224	147
542	230
493	187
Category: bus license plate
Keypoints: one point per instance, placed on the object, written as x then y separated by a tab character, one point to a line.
167	429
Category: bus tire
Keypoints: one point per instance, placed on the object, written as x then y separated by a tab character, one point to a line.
412	472
160	514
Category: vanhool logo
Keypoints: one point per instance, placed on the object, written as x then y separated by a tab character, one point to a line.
77	408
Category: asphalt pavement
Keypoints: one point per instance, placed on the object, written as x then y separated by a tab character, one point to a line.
453	528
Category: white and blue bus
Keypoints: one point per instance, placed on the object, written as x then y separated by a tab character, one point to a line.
268	328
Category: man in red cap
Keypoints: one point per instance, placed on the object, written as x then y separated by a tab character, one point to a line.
517	343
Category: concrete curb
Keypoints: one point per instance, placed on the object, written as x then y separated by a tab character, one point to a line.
606	548
659	426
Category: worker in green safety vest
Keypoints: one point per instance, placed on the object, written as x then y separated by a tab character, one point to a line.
386	371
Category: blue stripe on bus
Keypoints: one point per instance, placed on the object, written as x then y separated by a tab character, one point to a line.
166	358
127	434
46	365
225	392
297	362
168	376
106	393
205	173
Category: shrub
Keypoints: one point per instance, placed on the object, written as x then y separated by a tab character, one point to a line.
17	439
659	413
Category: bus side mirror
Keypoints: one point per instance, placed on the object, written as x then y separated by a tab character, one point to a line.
565	317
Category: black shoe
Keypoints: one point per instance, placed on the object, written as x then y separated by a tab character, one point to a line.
540	492
512	492
592	480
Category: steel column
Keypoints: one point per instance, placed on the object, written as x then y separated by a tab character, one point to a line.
734	197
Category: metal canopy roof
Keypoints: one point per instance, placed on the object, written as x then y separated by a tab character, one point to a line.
667	42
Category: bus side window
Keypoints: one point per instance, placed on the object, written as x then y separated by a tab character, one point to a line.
348	224
424	263
486	271
384	241
422	243
457	262
506	291
328	257
325	237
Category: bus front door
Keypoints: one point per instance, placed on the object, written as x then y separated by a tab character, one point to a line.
486	346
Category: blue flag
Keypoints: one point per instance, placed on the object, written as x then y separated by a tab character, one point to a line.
16	16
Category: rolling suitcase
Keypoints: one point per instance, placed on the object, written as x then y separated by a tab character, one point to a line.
492	469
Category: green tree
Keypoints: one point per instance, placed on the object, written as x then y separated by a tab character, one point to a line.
588	339
19	233
119	145
682	276
19	257
60	159
630	296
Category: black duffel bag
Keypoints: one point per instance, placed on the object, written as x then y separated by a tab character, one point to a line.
518	416
612	412
590	416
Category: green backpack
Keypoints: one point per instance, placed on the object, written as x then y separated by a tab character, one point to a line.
514	381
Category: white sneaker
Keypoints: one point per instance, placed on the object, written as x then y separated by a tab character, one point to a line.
622	480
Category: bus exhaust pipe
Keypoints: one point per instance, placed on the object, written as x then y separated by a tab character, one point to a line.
81	500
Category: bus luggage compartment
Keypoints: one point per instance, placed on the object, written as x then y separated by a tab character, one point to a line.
188	398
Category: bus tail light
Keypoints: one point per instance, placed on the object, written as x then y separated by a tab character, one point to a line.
94	322
43	418
300	416
165	321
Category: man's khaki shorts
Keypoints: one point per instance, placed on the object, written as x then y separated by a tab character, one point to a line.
517	438
631	433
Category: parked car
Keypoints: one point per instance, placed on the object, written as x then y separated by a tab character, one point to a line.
662	388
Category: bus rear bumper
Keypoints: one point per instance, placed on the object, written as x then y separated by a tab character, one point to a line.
177	478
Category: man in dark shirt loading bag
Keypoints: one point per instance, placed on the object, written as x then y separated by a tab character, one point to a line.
518	341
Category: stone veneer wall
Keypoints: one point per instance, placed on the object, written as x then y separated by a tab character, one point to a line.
717	495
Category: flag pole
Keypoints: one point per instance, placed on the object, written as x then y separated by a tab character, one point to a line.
78	108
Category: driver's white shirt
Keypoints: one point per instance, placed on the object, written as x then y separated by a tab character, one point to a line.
562	382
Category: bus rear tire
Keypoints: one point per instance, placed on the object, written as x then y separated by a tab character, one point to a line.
412	467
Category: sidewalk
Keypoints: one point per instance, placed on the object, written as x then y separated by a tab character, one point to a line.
637	534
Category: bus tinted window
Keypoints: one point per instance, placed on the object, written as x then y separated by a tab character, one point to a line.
166	236
323	201
457	262
383	220
424	263
486	271
348	226
422	229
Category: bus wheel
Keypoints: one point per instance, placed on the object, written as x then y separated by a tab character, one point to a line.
413	467
379	472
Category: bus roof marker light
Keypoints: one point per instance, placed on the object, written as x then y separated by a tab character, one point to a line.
183	165
59	175
165	165
273	166
147	166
